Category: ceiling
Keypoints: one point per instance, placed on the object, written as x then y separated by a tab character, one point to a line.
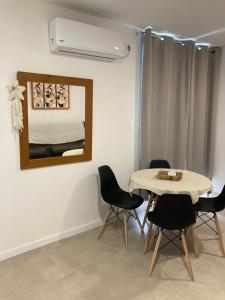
187	18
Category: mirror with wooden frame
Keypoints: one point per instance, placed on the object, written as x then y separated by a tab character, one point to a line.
57	113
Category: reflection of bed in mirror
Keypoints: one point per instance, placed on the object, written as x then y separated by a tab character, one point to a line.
56	139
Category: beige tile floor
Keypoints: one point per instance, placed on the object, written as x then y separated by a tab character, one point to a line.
84	268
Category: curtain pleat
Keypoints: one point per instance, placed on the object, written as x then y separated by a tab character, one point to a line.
176	103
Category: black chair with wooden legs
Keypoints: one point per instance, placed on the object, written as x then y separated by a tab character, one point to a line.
173	213
120	202
211	205
154	164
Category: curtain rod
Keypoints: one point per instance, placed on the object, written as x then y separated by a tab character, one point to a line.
177	38
184	41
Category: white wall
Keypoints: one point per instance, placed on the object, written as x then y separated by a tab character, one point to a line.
41	203
219	154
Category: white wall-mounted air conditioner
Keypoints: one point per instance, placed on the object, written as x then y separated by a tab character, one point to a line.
84	40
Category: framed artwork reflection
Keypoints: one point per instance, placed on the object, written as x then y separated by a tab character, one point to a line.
50	96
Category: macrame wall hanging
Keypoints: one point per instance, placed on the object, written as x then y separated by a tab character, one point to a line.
16	96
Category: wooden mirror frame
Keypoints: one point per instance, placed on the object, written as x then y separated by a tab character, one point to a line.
25	161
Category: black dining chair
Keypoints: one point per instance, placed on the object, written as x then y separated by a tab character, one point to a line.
159	163
120	202
174	213
154	164
207	208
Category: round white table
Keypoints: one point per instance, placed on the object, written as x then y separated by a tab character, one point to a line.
191	183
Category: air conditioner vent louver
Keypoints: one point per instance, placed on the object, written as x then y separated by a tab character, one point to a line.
83	40
98	57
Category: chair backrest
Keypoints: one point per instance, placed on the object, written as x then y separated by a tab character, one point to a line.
220	200
174	211
108	182
159	163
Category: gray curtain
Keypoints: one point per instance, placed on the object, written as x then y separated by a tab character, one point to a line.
176	103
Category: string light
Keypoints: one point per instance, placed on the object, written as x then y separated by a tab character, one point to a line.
178	38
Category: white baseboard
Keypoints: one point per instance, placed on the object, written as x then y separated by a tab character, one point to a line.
48	240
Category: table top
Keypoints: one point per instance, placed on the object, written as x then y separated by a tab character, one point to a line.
192	183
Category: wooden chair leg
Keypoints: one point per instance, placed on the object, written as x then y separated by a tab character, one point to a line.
104	223
154	235
152	262
187	259
150	199
220	237
147	240
138	220
194	241
125	229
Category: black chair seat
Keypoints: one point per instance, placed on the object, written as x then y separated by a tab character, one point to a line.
173	212
168	222
211	204
206	205
124	200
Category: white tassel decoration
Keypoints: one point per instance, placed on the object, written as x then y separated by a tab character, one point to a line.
16	95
